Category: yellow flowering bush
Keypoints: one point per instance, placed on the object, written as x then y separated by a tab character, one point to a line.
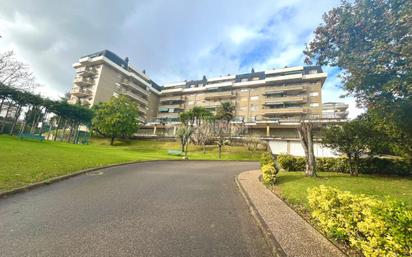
269	168
375	227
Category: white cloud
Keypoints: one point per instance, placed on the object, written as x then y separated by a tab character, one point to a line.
171	40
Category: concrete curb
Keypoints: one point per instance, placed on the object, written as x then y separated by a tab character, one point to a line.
269	237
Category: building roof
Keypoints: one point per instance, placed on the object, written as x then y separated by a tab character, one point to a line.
111	56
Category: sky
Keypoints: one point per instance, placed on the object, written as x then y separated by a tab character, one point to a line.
172	40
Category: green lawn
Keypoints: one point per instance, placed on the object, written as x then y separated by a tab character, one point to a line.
292	186
26	162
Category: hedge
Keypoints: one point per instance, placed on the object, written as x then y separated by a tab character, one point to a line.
376	228
366	166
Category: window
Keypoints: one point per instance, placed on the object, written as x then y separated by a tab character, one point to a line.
254	98
244	90
313	71
244	80
313	94
314	105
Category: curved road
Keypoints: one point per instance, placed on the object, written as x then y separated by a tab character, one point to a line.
167	208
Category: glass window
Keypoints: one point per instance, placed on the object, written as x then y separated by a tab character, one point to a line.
314	94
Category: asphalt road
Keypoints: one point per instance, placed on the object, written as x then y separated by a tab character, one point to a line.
148	209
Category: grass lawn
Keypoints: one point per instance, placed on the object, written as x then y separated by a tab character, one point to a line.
23	162
292	186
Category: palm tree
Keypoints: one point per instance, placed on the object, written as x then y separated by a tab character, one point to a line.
226	112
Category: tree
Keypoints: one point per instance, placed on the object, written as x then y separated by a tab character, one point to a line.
15	73
350	139
184	133
371	42
116	118
224	114
306	139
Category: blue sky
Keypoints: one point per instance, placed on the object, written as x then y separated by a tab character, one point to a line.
171	40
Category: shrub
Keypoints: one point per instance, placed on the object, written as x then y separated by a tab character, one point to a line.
394	166
377	228
291	163
269	168
268	173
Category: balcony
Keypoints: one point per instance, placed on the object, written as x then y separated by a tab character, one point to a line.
285	99
172	98
127	83
290	110
134	97
81	92
83	82
172	106
85	102
220	95
170	115
281	89
142	109
86	72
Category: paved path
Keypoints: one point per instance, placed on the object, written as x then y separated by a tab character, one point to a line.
292	232
148	209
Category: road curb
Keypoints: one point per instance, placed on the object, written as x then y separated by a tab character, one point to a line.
269	237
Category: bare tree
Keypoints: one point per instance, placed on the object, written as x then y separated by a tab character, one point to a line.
15	73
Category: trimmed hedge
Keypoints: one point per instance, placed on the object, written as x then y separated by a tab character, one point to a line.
376	228
366	166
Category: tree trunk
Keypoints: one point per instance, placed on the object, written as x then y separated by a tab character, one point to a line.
57	129
306	139
5	119
204	148
76	135
220	151
350	163
71	132
355	166
112	140
64	131
42	123
1	104
16	117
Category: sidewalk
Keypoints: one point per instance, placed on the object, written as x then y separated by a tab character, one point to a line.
294	235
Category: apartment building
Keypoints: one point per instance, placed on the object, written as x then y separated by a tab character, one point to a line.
335	110
101	75
272	95
267	103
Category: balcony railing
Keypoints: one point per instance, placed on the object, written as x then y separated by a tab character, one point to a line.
85	102
290	110
170	106
134	97
81	92
220	95
172	98
83	82
127	83
280	89
168	115
285	99
85	71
